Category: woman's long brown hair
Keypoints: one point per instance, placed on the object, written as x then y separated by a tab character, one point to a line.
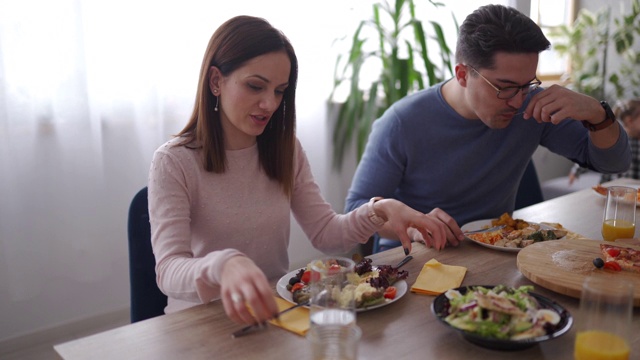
238	40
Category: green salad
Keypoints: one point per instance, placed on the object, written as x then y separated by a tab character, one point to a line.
500	312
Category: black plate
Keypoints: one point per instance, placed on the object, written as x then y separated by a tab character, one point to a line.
440	307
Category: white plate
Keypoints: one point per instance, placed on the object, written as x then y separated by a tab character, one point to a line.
481	224
281	288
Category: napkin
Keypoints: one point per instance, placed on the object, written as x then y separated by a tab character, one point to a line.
296	320
436	278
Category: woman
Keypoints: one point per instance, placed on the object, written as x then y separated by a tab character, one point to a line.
222	191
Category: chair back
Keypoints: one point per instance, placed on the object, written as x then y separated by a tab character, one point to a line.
147	300
529	190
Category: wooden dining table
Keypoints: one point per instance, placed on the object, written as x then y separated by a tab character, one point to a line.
405	329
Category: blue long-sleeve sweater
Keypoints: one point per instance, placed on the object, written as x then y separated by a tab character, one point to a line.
426	155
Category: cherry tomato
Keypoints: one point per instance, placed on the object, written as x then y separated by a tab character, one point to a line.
306	276
613	252
390	292
334	269
315	276
612	265
296	287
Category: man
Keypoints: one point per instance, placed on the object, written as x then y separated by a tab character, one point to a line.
460	148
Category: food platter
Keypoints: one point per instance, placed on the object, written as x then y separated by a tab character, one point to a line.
601	191
562	266
486	223
281	289
440	308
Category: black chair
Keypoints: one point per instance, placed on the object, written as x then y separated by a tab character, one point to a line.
147	300
529	190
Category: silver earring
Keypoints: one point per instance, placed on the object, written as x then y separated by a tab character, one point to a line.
217	101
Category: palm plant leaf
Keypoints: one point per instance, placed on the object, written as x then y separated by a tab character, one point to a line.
398	75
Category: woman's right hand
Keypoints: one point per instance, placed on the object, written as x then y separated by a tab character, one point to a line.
244	285
437	228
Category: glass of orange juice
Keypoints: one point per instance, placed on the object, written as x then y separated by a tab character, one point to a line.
619	221
604	324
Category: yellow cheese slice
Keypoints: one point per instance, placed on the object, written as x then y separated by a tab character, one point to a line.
436	278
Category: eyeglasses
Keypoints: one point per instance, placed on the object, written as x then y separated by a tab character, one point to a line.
508	92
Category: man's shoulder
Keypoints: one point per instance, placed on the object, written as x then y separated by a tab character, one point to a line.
421	97
416	107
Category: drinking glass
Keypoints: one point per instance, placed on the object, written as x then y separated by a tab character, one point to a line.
604	325
619	220
332	294
334	342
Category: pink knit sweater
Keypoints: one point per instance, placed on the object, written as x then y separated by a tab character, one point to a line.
200	219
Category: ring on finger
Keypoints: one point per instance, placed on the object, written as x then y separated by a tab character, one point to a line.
236	298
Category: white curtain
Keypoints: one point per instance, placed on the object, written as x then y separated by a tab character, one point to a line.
88	90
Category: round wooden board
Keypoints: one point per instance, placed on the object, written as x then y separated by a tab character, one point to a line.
562	266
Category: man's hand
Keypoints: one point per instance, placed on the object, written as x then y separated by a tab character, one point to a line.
558	103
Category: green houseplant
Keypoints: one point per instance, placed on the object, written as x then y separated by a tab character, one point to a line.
586	43
404	61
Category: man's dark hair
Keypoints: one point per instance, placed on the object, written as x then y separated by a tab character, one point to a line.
497	28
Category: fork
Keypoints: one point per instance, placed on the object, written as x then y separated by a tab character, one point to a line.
262	325
485	230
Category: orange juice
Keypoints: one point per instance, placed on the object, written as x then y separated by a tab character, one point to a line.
613	229
600	345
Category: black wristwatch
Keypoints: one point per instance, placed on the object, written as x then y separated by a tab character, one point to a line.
610	119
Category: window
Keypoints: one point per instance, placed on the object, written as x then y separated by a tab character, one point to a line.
547	14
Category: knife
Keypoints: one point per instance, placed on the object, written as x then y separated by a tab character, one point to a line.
251	328
404	261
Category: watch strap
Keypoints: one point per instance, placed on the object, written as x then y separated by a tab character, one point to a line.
610	119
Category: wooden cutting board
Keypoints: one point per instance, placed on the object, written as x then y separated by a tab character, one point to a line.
562	266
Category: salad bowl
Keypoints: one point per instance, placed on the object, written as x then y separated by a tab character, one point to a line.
441	309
